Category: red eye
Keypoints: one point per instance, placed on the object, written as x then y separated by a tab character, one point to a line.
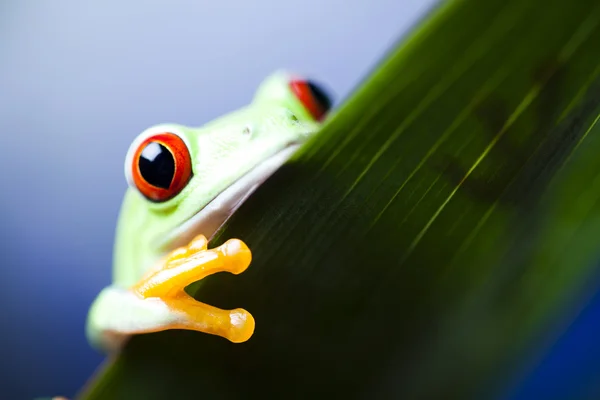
313	97
161	166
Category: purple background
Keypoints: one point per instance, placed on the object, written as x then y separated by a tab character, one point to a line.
79	80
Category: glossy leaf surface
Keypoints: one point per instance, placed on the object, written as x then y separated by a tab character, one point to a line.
430	241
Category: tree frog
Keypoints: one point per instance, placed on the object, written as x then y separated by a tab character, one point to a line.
184	183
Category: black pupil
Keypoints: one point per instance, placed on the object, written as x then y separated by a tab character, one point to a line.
320	96
157	165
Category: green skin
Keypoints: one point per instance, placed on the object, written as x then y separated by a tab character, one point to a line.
236	152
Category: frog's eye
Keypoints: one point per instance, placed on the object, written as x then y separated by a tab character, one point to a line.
160	166
312	97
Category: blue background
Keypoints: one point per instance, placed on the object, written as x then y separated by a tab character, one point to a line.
79	80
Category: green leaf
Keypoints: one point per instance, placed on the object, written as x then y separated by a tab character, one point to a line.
431	241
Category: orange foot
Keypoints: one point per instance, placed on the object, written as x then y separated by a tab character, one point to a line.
192	263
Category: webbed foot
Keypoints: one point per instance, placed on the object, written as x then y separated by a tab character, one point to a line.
185	265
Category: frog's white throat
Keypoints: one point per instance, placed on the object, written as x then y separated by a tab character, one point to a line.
209	219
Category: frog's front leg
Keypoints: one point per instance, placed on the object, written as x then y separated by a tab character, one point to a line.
159	302
192	263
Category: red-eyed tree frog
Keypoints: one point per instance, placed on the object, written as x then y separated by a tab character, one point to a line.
184	183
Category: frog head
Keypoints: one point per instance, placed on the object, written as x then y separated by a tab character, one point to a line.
184	181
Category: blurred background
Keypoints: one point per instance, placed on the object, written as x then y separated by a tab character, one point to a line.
79	80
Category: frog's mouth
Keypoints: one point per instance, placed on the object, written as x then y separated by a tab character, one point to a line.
213	216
